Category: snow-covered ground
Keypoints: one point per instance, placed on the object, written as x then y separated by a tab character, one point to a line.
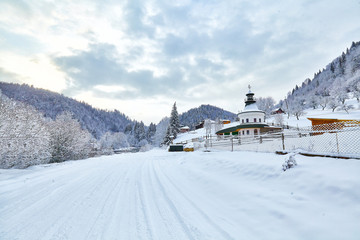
197	195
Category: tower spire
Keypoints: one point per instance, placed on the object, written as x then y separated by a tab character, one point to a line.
249	97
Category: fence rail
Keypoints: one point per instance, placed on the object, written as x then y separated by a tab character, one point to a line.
334	139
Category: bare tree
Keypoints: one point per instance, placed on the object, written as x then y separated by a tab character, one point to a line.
324	101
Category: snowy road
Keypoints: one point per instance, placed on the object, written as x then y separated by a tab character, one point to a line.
161	195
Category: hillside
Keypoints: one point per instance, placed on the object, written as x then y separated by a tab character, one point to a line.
196	115
51	104
332	85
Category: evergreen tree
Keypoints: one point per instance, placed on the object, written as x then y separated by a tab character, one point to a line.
150	133
174	121
174	126
167	138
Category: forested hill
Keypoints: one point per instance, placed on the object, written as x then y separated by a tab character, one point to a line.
51	104
196	115
339	79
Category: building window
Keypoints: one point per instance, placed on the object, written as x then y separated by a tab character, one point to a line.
254	119
247	120
243	132
259	119
255	131
242	120
247	132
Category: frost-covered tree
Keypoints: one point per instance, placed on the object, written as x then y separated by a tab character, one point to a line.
279	119
333	104
297	109
113	141
68	141
160	132
139	131
174	121
313	102
339	91
174	126
346	107
355	89
266	104
150	133
24	138
324	101
168	137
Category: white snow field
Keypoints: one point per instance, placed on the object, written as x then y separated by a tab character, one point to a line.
198	195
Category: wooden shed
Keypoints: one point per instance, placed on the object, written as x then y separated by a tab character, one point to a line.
326	124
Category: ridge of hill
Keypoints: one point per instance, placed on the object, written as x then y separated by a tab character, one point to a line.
195	115
51	104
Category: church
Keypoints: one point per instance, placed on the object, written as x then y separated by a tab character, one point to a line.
251	121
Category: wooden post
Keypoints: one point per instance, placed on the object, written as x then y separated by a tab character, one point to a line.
232	144
261	139
283	140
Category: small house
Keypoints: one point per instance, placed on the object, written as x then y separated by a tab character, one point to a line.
184	129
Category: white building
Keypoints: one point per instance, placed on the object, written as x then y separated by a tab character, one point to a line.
251	120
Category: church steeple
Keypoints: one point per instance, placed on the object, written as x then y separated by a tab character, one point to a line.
249	97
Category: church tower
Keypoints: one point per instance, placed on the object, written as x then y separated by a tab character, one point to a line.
249	97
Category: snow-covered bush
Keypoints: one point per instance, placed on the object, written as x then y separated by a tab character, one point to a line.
113	141
289	162
68	141
145	148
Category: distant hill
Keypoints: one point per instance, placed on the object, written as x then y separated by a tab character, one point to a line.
51	104
196	115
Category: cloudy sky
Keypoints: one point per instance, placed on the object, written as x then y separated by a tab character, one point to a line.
141	56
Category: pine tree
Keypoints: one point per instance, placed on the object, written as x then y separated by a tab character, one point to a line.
174	126
174	121
150	133
167	138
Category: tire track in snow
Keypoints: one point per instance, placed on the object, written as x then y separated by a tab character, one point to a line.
171	204
110	198
143	202
78	209
222	232
40	205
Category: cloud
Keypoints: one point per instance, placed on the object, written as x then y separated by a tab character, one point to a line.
102	65
8	76
191	51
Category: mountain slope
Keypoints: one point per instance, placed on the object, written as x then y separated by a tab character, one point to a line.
341	75
51	104
196	115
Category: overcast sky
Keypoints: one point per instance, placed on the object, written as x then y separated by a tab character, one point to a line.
141	56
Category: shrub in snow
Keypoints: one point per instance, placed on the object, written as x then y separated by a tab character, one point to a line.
289	163
145	148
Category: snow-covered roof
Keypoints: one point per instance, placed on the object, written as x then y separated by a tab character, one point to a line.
251	108
185	127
